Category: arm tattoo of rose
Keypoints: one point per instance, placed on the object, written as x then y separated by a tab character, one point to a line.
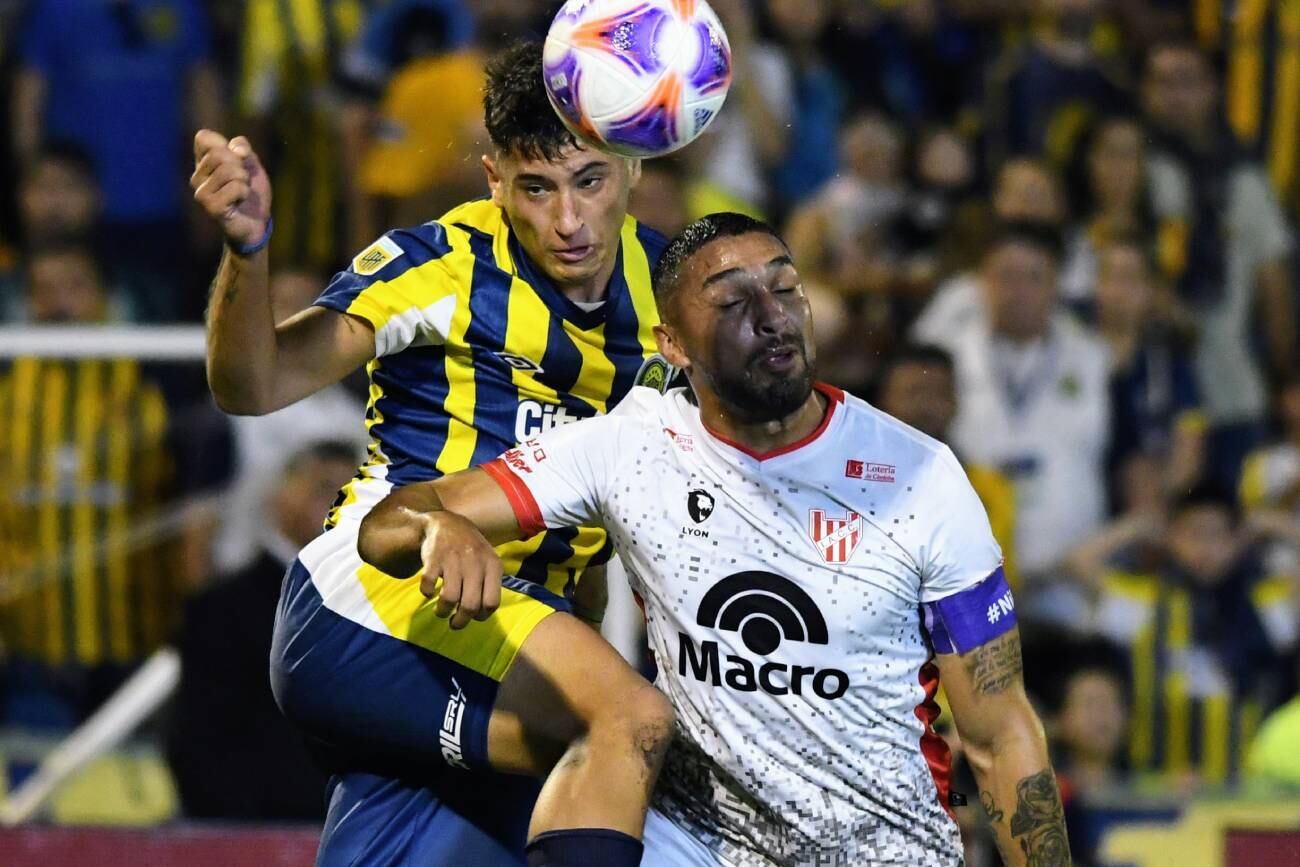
1038	823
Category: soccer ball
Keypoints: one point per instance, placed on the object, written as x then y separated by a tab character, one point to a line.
640	78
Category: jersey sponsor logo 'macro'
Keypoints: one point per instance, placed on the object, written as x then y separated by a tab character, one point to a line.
835	538
765	609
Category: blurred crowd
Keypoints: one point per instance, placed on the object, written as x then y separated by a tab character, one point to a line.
1056	234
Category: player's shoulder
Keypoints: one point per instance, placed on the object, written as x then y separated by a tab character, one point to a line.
896	440
651	241
643	406
401	249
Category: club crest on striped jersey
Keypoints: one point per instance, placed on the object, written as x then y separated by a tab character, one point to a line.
370	260
835	538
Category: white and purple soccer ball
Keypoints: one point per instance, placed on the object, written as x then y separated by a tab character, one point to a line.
640	78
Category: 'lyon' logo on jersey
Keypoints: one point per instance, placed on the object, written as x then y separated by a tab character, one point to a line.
835	538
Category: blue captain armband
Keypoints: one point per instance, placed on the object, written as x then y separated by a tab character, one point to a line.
963	621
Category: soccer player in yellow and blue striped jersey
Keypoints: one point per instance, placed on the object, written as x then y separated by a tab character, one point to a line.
502	318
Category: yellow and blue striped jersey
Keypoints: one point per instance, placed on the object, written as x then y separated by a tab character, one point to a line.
476	350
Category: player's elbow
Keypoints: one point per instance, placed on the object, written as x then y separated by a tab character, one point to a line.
234	397
1010	727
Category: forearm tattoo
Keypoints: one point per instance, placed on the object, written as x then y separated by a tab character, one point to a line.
995	666
1038	824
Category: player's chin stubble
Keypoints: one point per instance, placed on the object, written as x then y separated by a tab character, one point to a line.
761	397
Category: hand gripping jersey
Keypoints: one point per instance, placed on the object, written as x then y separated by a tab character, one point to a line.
793	601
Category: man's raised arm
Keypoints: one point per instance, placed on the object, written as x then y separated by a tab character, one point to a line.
254	365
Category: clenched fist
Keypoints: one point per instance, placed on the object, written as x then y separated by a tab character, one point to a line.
231	185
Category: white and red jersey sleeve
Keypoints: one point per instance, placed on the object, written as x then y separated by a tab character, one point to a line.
958	550
562	478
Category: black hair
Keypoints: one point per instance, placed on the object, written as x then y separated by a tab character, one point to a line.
519	116
926	355
1078	173
1060	659
690	240
1030	234
1177	41
63	151
65	246
324	451
1207	495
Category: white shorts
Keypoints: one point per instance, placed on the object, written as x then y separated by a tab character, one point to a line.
667	845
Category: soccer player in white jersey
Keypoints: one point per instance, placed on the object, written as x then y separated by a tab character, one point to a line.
811	569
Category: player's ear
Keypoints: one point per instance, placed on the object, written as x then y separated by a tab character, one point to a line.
670	348
494	181
633	173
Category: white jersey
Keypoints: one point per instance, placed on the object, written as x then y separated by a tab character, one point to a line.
783	598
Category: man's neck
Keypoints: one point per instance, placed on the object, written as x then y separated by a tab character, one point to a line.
593	290
762	436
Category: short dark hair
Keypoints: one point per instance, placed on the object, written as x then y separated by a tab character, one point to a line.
68	153
1179	42
1207	495
690	240
923	354
1029	234
341	451
519	116
57	247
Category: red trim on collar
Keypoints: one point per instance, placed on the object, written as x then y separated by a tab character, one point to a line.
834	397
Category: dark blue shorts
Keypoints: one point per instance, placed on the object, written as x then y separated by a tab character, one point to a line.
403	731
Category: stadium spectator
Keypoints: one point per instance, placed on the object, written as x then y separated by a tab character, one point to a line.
1204	627
1044	92
95	572
1088	723
1259	44
126	81
918	386
798	26
847	236
286	97
413	162
944	223
911	59
58	201
1035	404
1224	240
1109	200
234	755
1270	481
1154	398
1026	191
58	198
659	198
730	162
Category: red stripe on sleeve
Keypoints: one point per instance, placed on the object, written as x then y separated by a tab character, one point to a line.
521	499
